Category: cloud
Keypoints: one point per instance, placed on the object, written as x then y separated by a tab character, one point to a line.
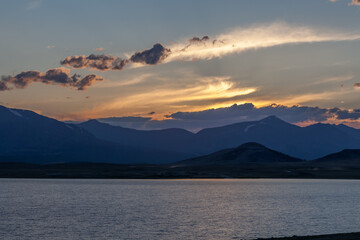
151	56
97	62
33	4
252	38
206	48
346	114
355	3
197	120
99	49
3	86
249	111
199	40
352	3
190	90
196	41
58	76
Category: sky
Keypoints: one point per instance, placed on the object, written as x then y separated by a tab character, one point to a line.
191	64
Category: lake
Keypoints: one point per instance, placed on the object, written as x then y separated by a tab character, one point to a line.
176	209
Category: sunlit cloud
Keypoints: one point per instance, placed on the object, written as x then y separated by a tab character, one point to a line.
206	48
336	79
352	3
355	3
171	97
133	81
302	98
243	39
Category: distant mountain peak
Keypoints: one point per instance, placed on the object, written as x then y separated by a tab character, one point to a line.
92	121
250	152
272	119
251	145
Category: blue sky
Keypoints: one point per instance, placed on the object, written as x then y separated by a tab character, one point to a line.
315	61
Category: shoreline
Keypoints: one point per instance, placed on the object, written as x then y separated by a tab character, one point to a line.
88	170
337	236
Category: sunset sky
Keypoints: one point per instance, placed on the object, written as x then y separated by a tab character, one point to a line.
169	62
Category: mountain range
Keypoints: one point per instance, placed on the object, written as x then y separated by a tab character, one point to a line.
307	143
29	137
26	136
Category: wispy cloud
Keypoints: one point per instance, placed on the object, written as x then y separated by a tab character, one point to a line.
336	79
355	3
257	37
133	81
352	3
206	48
198	90
33	5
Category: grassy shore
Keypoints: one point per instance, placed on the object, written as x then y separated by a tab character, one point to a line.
340	236
249	170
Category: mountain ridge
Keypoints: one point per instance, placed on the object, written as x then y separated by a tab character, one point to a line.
250	152
31	137
26	133
308	143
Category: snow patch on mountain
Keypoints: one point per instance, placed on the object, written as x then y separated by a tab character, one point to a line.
16	113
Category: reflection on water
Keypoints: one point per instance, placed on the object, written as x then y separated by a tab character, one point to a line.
176	209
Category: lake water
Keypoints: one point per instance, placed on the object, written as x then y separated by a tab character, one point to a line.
176	209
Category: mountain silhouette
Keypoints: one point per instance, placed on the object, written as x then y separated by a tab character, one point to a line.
30	137
246	153
346	156
307	143
172	139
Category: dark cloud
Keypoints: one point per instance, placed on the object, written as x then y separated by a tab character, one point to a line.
58	76
195	121
151	56
3	86
199	40
249	111
87	81
196	41
346	114
98	62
